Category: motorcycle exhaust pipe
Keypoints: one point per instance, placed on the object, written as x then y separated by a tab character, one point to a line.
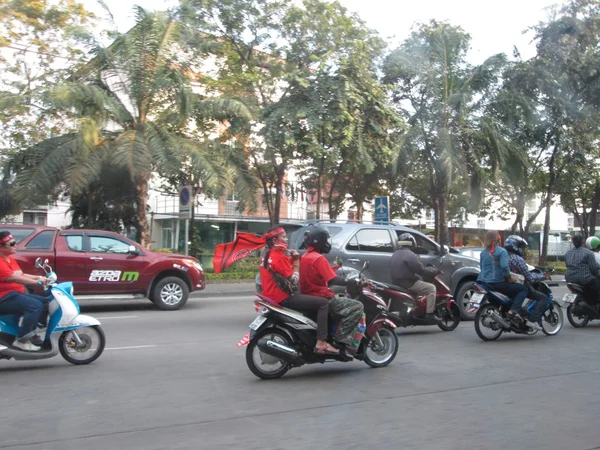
499	320
278	350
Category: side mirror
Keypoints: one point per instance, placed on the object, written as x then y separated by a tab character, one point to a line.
45	262
365	265
337	261
38	263
132	250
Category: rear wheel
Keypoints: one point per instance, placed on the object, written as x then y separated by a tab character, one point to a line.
450	317
577	320
485	327
262	364
552	319
170	293
382	348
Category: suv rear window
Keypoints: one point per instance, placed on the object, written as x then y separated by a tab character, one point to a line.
19	233
371	240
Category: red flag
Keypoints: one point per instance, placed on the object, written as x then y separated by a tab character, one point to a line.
245	340
243	246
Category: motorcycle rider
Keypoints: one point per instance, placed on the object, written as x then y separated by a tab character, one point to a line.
593	243
583	269
406	271
280	275
317	277
495	272
14	299
516	247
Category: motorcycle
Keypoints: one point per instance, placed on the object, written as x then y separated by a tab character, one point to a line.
78	338
492	313
579	312
406	310
281	338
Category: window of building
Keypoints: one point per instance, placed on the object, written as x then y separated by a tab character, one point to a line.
481	223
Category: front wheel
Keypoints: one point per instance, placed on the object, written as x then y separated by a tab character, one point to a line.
263	365
170	293
487	329
450	317
83	345
552	319
578	321
463	300
382	348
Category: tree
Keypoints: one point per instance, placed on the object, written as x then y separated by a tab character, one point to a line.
442	98
132	106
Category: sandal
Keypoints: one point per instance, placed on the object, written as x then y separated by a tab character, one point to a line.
327	350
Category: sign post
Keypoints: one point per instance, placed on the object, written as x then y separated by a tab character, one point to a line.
185	212
382	209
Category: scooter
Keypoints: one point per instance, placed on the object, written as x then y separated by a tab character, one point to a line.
579	312
78	338
282	338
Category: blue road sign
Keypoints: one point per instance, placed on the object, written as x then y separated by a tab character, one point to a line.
184	196
382	209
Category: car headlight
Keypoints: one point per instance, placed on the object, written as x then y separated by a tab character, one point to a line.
198	266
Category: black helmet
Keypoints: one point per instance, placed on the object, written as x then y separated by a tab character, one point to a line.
407	240
318	237
516	244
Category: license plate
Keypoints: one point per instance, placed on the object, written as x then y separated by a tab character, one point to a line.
476	298
257	323
569	298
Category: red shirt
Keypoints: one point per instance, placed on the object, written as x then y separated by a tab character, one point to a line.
315	274
8	268
282	264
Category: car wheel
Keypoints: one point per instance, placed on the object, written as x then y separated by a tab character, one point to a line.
463	300
170	293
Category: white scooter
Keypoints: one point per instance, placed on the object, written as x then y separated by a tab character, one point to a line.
78	338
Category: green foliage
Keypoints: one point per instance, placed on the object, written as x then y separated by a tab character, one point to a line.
248	275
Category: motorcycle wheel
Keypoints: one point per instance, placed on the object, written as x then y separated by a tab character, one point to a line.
483	322
262	364
552	320
577	321
93	341
450	317
381	354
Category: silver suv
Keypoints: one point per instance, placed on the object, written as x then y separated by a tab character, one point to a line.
355	243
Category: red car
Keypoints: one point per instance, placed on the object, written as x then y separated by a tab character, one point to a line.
103	264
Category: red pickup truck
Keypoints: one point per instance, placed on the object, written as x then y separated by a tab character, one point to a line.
103	264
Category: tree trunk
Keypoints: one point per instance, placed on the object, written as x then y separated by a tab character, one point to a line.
442	223
595	206
142	206
549	193
319	182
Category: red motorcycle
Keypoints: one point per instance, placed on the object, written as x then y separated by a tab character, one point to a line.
407	310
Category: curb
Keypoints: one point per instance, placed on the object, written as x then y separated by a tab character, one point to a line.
209	282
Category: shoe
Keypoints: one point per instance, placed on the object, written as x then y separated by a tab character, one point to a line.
533	325
433	317
26	346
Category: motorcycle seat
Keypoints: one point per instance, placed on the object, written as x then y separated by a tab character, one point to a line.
397	288
575	287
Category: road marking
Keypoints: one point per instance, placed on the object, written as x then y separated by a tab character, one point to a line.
130	348
117	317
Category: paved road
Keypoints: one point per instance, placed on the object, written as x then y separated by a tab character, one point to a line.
175	380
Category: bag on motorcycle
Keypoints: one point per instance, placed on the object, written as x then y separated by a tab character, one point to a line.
283	283
359	333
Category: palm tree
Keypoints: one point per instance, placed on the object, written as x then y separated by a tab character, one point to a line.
133	106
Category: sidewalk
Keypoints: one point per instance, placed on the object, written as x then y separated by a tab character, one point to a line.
227	288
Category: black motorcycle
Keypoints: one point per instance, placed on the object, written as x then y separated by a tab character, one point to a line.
580	312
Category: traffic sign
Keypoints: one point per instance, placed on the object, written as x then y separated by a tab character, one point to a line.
382	209
185	202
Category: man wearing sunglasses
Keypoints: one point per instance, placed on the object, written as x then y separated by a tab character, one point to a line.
14	299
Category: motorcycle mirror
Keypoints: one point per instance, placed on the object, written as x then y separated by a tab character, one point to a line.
444	250
46	262
38	263
365	266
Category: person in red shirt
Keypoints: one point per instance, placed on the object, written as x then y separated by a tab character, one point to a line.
13	299
316	278
279	276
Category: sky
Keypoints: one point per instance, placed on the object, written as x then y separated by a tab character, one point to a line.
495	26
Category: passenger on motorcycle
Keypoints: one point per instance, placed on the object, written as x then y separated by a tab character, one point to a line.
317	277
14	300
593	243
280	274
516	247
406	271
583	269
495	272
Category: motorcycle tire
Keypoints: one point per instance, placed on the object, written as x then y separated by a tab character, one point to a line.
479	317
389	351
66	343
252	350
554	311
576	321
453	316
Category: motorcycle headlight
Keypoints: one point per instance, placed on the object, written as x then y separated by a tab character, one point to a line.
72	291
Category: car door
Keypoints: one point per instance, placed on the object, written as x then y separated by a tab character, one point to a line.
433	256
111	269
374	245
71	260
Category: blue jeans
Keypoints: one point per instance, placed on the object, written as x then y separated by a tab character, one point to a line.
516	291
29	306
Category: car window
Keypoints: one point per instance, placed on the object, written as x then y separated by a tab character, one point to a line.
422	242
19	233
41	241
371	240
74	242
102	244
297	239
